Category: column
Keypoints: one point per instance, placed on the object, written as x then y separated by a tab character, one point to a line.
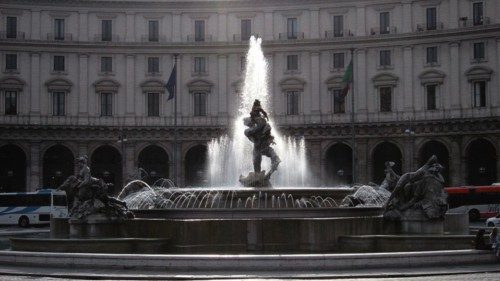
176	27
34	166
83	34
129	163
407	17
222	85
314	24
453	20
130	32
457	176
222	27
268	26
35	24
83	149
360	92
35	84
131	106
454	84
408	79
83	82
315	83
361	160
360	21
314	158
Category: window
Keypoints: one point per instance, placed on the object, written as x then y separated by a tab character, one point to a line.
199	65
292	103
246	29
292	62
153	104
106	104
58	29
200	104
11	62
432	55
199	30
338	60
384	23
338	101
291	28
106	30
338	26
106	64
154	33
10	102
59	63
477	10
11	27
385	58
431	19
243	63
479	51
385	99
153	65
479	93
58	103
431	96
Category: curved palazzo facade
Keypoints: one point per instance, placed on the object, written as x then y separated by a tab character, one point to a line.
88	77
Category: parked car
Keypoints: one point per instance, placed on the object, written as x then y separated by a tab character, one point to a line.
494	221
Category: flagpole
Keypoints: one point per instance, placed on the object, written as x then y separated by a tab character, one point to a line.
352	122
176	179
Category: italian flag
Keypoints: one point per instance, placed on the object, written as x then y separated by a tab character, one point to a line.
347	80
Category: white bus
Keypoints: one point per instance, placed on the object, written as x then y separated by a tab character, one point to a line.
25	208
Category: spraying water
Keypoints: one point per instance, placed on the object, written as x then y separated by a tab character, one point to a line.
231	156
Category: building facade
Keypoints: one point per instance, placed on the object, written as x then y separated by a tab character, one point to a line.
88	78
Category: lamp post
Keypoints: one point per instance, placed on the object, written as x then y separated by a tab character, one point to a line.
122	138
409	131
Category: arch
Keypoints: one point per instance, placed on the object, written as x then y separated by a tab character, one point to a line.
439	149
335	82
479	73
195	166
338	164
153	85
106	163
106	85
481	161
58	84
385	79
12	169
201	85
12	83
383	152
57	165
155	161
432	76
292	83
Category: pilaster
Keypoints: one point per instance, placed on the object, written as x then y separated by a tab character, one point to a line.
35	25
222	93
35	90
453	20
132	107
407	17
409	101
314	24
130	32
83	85
83	34
360	91
176	27
315	83
268	26
35	164
454	72
360	21
222	30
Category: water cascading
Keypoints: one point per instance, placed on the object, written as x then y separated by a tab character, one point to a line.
231	156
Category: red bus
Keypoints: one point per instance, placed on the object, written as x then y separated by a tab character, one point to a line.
480	202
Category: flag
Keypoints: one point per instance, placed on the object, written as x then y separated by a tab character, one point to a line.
347	80
172	83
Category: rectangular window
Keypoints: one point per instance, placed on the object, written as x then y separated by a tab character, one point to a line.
338	101
479	94
153	104
106	104
292	103
154	32
107	30
199	65
153	65
338	26
10	102
58	104
11	62
479	51
385	99
292	62
291	28
200	104
432	55
431	96
477	10
338	60
384	23
199	30
385	58
106	64
431	18
246	29
59	63
58	29
11	27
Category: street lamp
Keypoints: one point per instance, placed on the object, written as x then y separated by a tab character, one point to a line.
122	139
409	131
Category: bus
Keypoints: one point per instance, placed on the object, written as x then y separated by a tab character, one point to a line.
480	202
31	208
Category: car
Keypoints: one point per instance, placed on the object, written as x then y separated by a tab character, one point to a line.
494	221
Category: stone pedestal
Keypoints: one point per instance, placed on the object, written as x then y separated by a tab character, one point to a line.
97	227
422	226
